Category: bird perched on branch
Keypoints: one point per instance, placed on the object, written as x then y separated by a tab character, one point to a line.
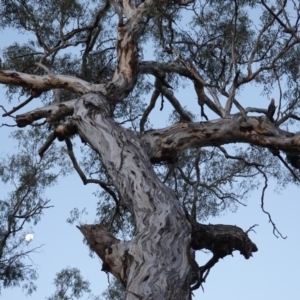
271	110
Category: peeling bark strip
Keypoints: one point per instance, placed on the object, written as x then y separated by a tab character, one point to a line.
161	244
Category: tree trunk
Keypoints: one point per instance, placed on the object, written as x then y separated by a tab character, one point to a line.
156	263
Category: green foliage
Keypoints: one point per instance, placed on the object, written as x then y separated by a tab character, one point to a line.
70	284
25	176
115	291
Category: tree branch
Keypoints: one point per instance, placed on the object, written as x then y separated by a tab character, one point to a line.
238	158
159	69
148	110
168	143
276	232
125	74
221	240
51	138
48	82
276	16
108	248
172	99
53	112
18	107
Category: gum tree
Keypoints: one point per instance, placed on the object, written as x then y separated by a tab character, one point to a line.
160	184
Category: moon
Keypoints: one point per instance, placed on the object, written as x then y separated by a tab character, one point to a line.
29	237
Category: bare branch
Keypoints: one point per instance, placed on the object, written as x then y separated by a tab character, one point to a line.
45	68
48	82
287	117
54	112
148	110
170	142
172	99
276	232
231	97
51	138
82	175
238	158
18	107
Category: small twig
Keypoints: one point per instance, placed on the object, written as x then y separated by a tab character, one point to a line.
82	175
286	117
17	107
238	158
204	270
251	228
276	232
7	125
3	108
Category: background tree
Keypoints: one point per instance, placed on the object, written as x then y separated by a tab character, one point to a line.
115	291
26	176
71	285
159	184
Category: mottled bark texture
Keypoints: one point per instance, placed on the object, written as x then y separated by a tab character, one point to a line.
158	262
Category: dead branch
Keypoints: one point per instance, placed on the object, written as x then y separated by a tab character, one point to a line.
221	240
51	138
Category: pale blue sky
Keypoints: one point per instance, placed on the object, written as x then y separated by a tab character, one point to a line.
271	274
